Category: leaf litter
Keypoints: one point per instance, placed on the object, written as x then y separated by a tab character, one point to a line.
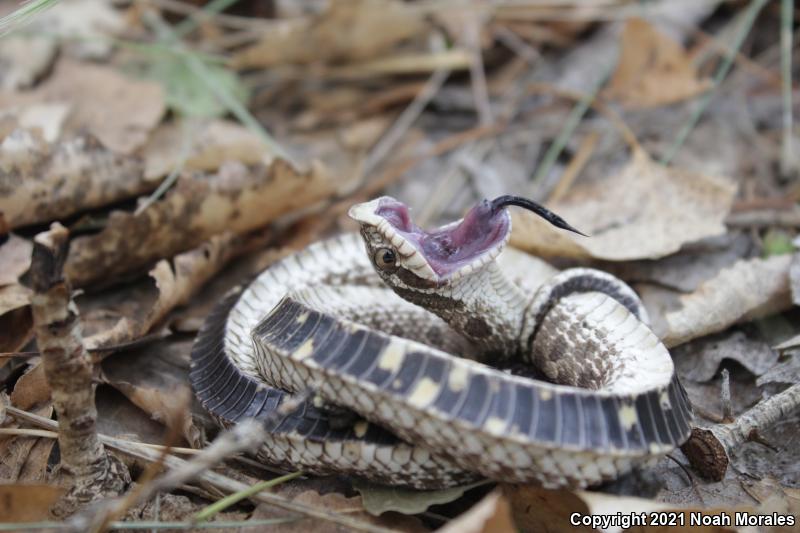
86	142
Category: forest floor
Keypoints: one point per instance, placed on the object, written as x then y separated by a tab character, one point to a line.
185	148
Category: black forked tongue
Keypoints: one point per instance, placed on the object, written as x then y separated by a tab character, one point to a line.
504	201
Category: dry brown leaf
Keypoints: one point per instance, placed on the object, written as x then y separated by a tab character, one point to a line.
748	289
490	515
700	360
236	199
653	69
646	211
349	30
40	183
173	283
155	379
13	454
119	111
15	450
15	257
119	418
16	322
336	503
536	509
93	20
34	470
27	503
211	144
25	59
45	120
31	390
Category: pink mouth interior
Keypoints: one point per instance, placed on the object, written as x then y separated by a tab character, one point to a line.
446	250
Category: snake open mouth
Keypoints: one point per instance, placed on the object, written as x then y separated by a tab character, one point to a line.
452	250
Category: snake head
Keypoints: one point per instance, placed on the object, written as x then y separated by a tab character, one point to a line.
406	255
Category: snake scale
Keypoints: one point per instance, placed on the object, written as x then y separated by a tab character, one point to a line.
438	357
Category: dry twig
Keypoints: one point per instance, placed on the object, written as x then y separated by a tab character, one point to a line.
709	449
210	477
68	368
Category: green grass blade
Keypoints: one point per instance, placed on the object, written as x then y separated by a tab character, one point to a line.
23	15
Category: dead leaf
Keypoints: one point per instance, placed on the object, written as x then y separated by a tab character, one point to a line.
646	211
693	264
749	289
699	360
787	372
490	515
349	30
118	110
378	499
35	468
39	183
653	69
27	503
211	143
15	450
776	498
94	21
555	511
44	120
25	59
172	283
336	503
120	418
15	257
16	322
31	390
155	379
236	199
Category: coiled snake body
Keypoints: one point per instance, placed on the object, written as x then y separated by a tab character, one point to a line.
403	336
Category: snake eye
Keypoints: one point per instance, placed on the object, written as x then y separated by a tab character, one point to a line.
385	258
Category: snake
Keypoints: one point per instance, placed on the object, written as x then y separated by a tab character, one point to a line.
440	357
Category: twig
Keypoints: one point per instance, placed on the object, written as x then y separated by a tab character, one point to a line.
480	92
244	436
709	449
514	43
727	61
764	218
22	432
214	479
788	160
725	396
230	21
212	8
68	368
407	117
575	166
600	107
